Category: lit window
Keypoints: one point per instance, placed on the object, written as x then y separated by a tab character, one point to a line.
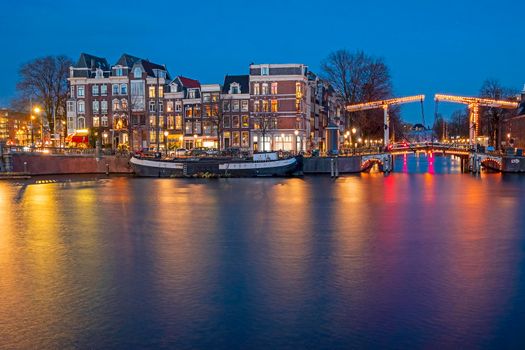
245	139
298	90
116	105
274	88
256	106
151	92
236	139
274	105
298	105
265	105
161	91
188	111
169	106
256	88
124	103
96	122
178	122
245	121
197	127
188	128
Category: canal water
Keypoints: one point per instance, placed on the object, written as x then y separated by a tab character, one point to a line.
419	259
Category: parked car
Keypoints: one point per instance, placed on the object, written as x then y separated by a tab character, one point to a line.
197	152
181	152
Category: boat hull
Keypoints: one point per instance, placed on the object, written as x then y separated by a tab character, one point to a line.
217	168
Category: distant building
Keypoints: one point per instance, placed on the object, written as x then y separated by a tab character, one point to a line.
515	125
15	127
419	133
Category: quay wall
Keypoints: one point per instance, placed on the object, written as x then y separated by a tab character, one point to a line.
48	164
322	165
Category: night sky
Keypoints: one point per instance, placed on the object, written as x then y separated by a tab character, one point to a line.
430	46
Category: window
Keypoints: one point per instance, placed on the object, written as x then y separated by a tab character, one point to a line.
256	106
256	90
105	121
104	106
72	91
137	72
116	105
81	107
170	122
115	89
119	72
152	106
245	121
137	95
226	137
235	106
298	90
235	122
70	106
274	105
188	128
207	128
234	88
96	122
206	97
94	90
297	105
178	122
274	88
207	111
95	106
265	89
103	89
191	93
151	91
197	111
197	127
236	139
226	106
244	105
214	97
265	105
226	122
161	106
98	73
152	120
178	106
188	112
80	91
124	104
265	70
123	89
245	139
169	106
161	91
81	123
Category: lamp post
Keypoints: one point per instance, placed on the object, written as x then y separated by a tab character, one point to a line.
37	111
282	142
32	131
166	133
296	132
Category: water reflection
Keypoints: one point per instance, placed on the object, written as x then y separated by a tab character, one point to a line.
369	260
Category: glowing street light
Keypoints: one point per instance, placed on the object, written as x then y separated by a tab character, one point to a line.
166	133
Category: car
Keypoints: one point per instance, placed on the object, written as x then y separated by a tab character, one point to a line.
197	152
181	152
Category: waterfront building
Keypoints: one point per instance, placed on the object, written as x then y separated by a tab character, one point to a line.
120	104
279	107
235	112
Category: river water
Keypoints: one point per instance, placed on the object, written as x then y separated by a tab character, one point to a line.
423	258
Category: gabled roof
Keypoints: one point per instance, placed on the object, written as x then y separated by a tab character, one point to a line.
92	62
150	68
189	83
127	60
242	80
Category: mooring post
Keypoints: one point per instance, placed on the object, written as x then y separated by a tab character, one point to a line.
332	170
336	161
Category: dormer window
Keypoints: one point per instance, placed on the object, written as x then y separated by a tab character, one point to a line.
174	87
118	71
234	88
265	70
191	93
137	72
99	74
161	73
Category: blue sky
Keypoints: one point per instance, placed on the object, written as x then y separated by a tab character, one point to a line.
430	46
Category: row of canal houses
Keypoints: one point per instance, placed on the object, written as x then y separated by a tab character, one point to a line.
137	103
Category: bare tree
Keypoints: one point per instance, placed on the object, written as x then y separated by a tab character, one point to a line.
492	118
44	80
216	119
459	123
265	122
357	78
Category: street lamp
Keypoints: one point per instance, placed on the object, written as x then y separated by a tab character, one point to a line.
166	133
296	132
32	131
37	111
